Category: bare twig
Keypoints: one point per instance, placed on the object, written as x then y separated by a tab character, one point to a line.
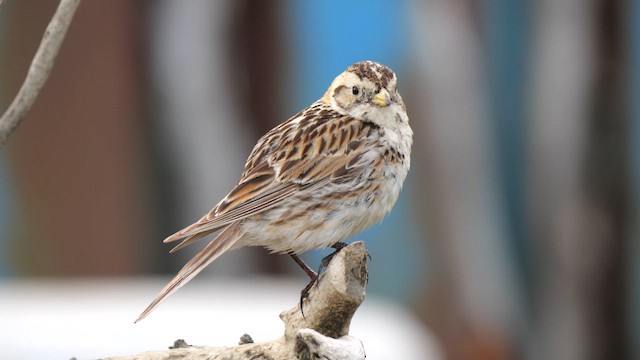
323	333
40	68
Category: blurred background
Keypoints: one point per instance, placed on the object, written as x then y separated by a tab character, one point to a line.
516	235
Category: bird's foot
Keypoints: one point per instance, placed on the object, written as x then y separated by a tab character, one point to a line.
304	294
327	259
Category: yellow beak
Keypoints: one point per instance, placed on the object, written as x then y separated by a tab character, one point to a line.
382	98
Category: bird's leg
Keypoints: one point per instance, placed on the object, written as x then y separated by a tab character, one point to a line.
312	275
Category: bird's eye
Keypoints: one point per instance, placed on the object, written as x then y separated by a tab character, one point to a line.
355	90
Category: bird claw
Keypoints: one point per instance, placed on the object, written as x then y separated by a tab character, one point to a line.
304	294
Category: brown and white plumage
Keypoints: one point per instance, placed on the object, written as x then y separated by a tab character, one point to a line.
322	176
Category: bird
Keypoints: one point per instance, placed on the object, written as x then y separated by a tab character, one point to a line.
328	172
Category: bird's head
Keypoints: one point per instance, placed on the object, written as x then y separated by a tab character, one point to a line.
367	91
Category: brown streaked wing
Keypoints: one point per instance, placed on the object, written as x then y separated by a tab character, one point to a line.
292	157
191	239
324	148
194	230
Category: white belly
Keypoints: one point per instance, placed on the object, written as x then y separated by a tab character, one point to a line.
334	221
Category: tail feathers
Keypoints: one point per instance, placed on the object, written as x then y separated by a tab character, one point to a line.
215	248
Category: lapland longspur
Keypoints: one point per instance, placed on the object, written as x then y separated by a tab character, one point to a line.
327	173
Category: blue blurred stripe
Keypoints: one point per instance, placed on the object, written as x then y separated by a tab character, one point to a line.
506	25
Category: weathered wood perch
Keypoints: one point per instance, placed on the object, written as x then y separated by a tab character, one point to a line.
323	332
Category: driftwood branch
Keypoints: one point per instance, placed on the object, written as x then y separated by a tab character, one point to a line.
323	332
40	68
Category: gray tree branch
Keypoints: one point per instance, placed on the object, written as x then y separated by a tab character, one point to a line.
323	332
40	68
